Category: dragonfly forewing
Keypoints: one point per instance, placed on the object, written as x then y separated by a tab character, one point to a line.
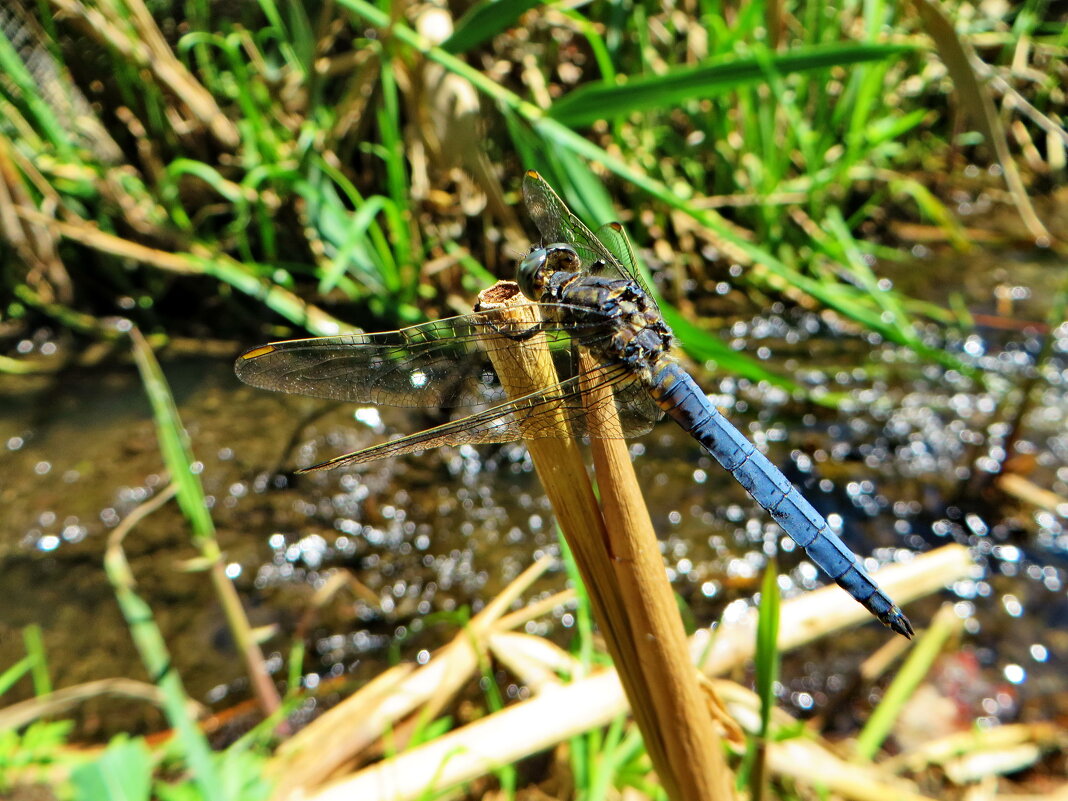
441	364
450	363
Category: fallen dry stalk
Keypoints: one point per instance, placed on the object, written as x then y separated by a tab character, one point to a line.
536	663
559	713
819	613
342	734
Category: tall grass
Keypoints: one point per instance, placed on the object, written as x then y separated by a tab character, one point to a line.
304	171
311	168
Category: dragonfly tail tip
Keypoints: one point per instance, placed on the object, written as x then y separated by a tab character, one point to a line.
897	621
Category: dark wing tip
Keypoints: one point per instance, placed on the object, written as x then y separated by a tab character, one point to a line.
243	365
250	369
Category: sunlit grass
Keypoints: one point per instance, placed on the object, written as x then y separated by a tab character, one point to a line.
291	171
778	151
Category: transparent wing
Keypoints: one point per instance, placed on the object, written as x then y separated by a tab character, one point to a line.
608	252
614	237
441	364
550	412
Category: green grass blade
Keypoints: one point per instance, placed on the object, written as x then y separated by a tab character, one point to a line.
583	642
664	91
14	674
484	20
767	659
887	129
927	648
887	301
34	642
174	442
25	89
767	649
353	248
152	649
592	31
476	276
178	456
285	40
393	154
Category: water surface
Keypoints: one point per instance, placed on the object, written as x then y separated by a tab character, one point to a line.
905	464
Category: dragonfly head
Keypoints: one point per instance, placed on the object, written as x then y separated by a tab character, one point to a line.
540	263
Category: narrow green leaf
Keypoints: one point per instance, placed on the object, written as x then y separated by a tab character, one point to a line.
767	649
13	674
34	640
927	648
887	129
190	741
353	243
754	773
483	21
645	93
21	86
209	175
173	441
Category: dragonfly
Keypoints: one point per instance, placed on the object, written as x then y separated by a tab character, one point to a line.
589	295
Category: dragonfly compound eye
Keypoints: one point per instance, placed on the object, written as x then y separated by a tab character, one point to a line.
562	259
529	275
540	263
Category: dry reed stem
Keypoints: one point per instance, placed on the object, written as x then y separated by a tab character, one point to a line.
661	683
535	662
1027	491
811	760
535	610
33	240
207	263
984	743
818	613
643	636
63	702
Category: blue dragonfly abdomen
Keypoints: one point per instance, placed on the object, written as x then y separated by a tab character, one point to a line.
684	401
